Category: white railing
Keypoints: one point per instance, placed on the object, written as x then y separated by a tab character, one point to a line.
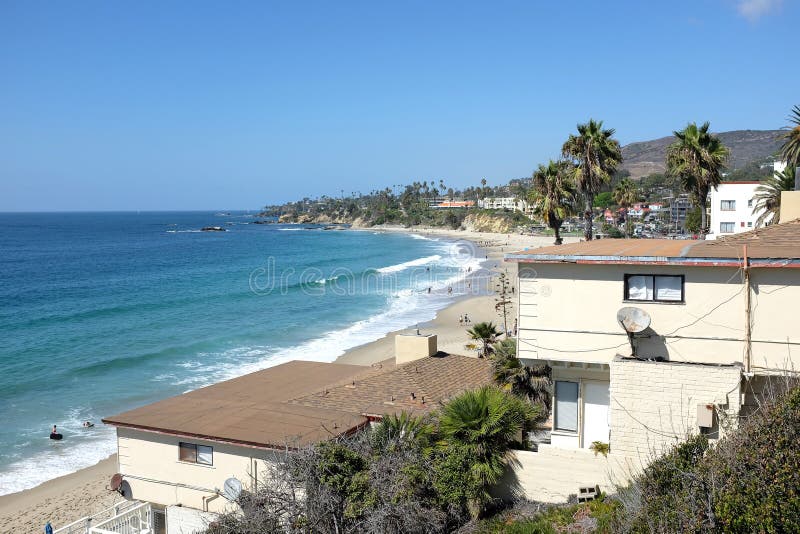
137	520
82	525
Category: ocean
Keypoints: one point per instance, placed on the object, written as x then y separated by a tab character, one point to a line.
103	312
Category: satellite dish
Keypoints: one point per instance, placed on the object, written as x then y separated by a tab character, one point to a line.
633	321
116	482
232	489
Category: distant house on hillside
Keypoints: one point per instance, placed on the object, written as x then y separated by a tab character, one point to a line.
178	456
730	208
707	323
449	204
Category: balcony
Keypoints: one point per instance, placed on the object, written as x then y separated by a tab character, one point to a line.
129	517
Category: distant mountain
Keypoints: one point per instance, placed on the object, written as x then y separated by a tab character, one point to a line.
647	157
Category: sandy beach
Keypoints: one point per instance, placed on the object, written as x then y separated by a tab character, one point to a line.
84	492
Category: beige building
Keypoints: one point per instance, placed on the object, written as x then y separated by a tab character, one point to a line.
183	454
714	318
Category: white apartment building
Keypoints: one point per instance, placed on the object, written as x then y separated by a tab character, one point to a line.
731	209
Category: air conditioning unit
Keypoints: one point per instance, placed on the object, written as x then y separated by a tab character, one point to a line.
705	415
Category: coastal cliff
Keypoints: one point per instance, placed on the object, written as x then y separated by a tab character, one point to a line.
475	222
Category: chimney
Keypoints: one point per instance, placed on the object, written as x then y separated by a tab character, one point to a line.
410	347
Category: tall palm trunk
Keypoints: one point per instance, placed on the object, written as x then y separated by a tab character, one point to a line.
558	240
703	218
587	218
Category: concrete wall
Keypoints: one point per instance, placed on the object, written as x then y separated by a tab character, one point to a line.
182	520
169	481
654	404
568	313
552	475
790	205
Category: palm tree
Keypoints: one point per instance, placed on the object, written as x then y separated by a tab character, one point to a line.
487	422
486	333
531	383
697	159
553	194
625	195
767	199
401	430
790	151
597	155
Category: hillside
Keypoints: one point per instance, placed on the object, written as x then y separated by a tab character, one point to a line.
647	157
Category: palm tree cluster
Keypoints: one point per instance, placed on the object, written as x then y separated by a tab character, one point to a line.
589	160
697	158
596	155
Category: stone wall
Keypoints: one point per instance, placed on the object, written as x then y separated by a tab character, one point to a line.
654	404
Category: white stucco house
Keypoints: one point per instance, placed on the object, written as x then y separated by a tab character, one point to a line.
177	457
731	209
721	320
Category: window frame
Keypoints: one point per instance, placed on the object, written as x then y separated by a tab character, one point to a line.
625	289
732	226
732	203
196	447
577	407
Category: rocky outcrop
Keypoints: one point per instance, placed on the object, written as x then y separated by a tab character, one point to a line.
487	223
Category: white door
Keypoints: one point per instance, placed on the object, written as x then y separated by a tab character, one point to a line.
595	413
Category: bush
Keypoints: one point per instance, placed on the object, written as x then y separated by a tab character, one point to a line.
748	482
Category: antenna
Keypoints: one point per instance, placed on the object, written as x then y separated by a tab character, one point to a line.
232	489
633	320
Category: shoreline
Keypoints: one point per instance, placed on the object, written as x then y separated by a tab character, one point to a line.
82	492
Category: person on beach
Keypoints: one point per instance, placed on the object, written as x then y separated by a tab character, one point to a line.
466	319
460	320
48	528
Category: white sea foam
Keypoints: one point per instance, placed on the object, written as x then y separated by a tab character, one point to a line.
408	264
80	448
405	308
290	229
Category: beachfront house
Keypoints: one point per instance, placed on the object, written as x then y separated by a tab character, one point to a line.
704	323
188	456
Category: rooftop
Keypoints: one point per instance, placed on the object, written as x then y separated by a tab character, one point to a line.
416	386
773	246
299	403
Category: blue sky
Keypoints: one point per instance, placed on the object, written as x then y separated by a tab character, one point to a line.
229	105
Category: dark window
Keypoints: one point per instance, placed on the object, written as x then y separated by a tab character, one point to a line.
655	288
727	205
727	227
566	413
196	454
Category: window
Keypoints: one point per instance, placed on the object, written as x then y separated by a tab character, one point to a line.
196	454
750	203
727	227
657	288
566	416
727	205
749	224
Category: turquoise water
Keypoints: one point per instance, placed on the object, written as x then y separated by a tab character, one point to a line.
102	312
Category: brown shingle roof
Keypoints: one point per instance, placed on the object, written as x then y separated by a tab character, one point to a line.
774	246
430	380
251	409
299	403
